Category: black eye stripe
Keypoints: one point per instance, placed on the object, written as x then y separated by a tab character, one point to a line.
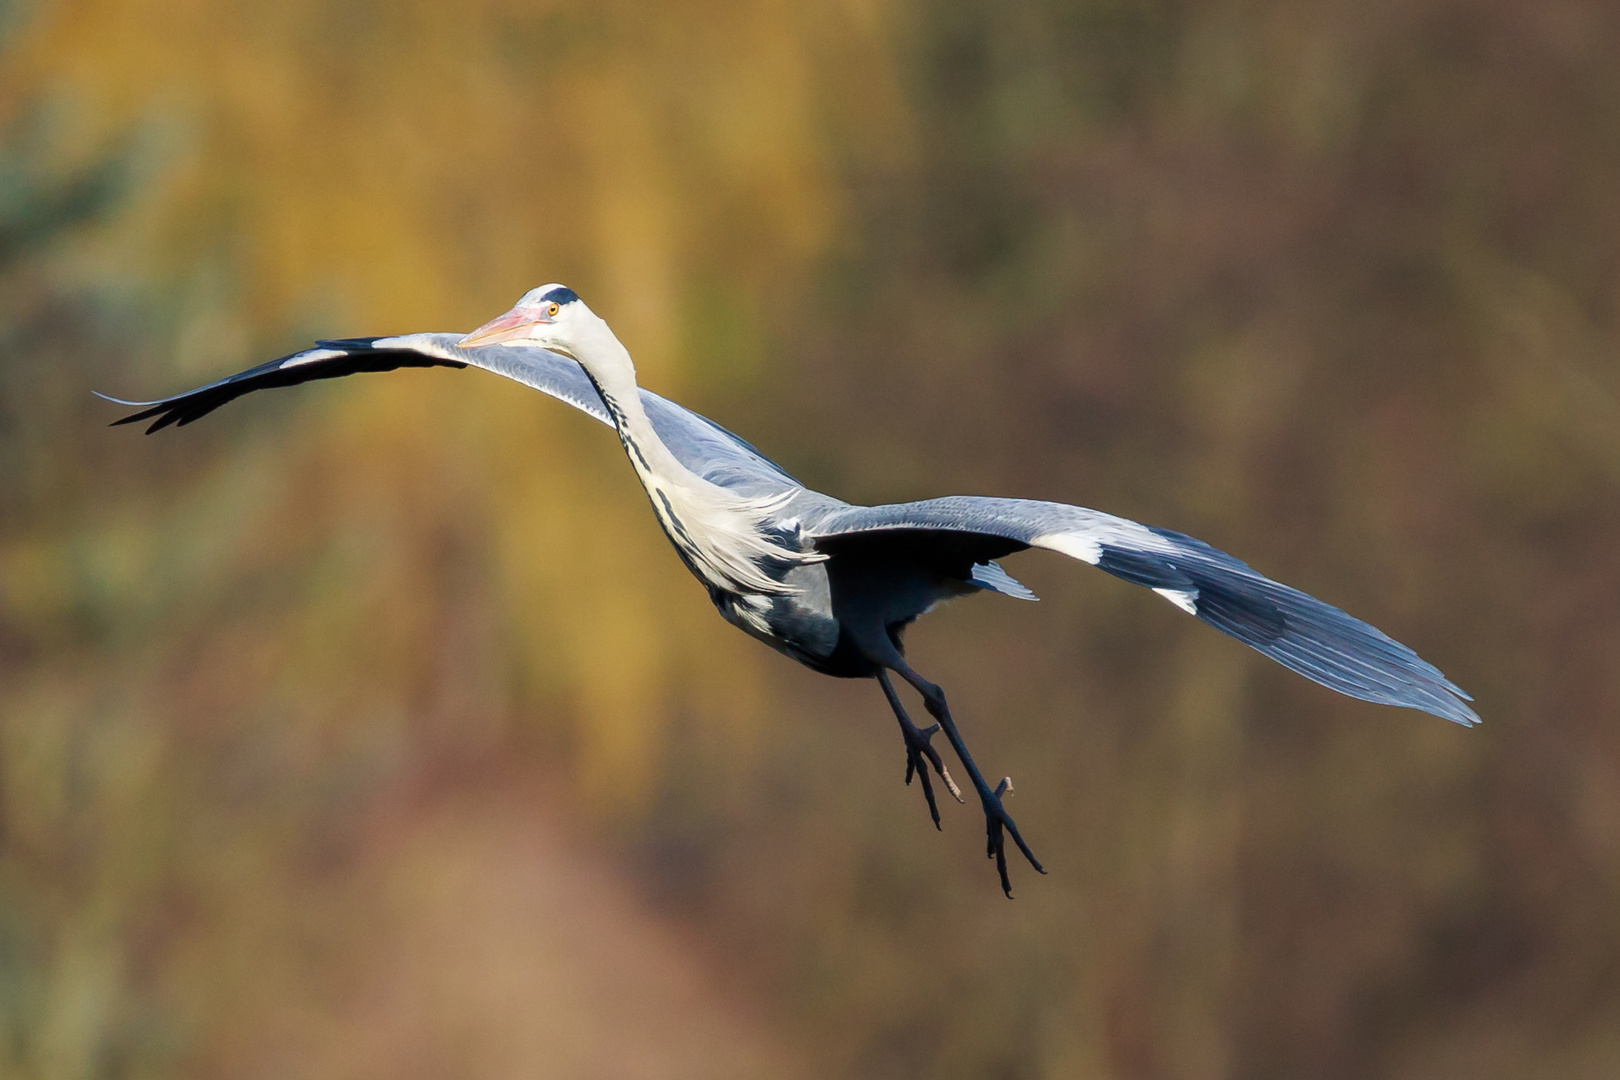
562	294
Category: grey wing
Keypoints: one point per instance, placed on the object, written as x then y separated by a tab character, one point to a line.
702	445
1297	630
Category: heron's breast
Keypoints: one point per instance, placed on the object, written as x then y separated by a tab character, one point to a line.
800	624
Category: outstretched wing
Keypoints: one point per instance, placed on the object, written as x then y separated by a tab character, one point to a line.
698	442
556	375
1298	631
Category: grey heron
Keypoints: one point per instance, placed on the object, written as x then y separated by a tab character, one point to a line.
834	585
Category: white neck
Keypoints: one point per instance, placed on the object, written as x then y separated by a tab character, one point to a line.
608	363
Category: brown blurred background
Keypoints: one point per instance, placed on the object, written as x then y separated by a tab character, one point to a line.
372	729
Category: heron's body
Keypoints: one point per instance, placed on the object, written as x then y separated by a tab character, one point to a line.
833	585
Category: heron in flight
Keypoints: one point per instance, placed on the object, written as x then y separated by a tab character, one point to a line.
834	585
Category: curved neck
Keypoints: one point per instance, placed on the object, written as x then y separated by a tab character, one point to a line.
608	365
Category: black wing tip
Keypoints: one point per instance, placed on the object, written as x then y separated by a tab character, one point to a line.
161	413
184	408
148	409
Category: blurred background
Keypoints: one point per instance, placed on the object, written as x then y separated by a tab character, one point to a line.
372	728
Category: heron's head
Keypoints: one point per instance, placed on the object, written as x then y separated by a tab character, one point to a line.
552	317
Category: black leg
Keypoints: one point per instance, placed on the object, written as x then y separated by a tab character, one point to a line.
997	821
920	752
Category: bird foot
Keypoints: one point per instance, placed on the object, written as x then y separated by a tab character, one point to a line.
998	823
920	754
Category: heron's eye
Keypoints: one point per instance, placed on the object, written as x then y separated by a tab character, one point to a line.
551	311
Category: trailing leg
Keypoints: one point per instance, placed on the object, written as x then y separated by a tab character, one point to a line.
920	753
997	822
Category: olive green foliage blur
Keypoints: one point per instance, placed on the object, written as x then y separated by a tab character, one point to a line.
1334	286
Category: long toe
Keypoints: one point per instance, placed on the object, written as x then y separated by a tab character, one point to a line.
914	764
1028	854
996	848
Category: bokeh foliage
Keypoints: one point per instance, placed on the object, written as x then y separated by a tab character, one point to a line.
1333	286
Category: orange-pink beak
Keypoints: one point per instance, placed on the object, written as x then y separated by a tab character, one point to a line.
504	328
